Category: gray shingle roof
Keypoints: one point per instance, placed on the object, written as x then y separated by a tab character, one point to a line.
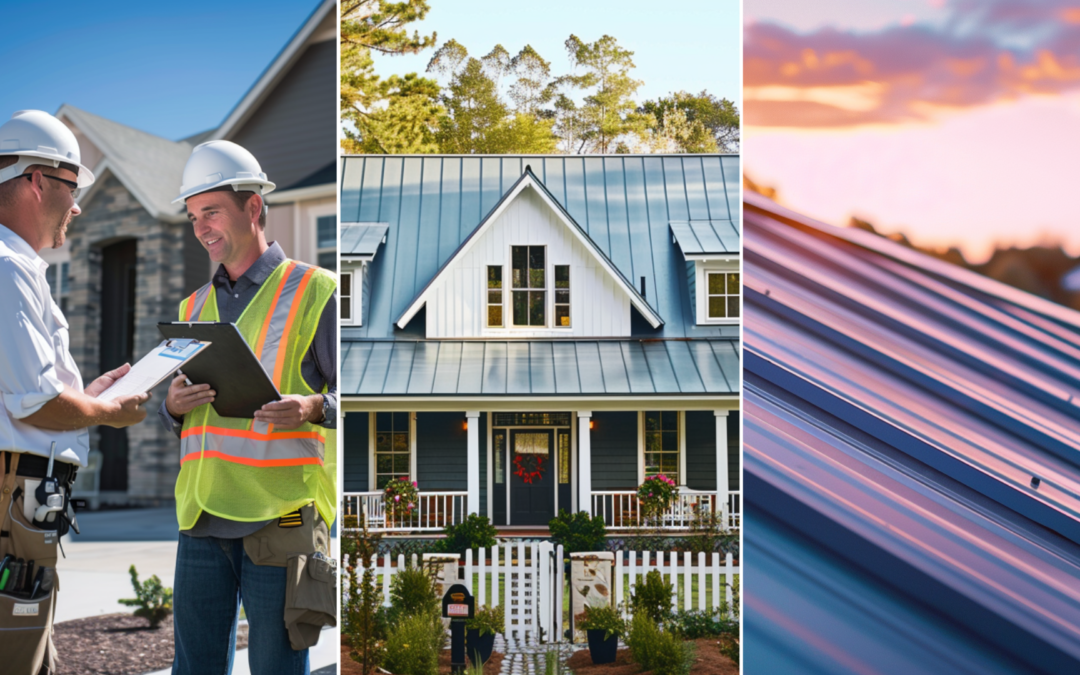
148	165
897	409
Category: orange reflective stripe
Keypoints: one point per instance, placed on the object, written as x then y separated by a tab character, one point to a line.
190	306
250	462
253	435
273	305
280	365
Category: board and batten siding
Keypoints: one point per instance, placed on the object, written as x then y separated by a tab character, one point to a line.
701	450
614	441
355	451
456	305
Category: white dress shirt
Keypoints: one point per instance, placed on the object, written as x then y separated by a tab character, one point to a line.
35	363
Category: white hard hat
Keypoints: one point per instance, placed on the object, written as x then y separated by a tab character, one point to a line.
39	138
216	164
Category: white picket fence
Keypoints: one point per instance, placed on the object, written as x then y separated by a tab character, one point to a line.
528	581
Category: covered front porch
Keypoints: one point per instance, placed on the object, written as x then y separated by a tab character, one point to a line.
519	462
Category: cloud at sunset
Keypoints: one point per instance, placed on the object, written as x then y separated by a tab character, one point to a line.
984	52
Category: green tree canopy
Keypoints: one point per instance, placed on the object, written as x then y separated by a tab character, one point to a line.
397	114
694	123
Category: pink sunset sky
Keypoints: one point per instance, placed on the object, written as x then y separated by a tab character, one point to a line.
956	122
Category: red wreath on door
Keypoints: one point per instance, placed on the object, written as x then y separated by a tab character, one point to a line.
529	473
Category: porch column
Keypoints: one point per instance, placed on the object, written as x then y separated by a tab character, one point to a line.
722	484
584	462
472	417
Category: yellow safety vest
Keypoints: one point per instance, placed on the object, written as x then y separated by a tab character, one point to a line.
245	470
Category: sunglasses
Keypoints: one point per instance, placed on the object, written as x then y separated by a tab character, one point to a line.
75	189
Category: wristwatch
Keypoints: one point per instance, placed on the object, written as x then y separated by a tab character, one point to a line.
325	409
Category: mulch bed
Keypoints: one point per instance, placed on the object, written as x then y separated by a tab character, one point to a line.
118	644
707	661
350	667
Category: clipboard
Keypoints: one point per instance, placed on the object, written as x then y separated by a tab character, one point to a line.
154	368
229	367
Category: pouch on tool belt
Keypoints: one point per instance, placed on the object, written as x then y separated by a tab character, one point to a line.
26	541
309	599
24	624
272	544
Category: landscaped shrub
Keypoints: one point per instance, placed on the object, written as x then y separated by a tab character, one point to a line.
413	591
472	533
663	653
400	497
729	646
153	600
708	531
602	617
655	495
695	624
578	532
363	616
414	643
487	620
393	547
653	597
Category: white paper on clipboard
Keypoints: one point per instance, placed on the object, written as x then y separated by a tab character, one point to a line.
154	368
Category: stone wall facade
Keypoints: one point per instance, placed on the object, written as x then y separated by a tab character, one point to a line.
164	256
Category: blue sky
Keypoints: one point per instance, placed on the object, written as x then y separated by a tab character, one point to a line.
689	45
167	68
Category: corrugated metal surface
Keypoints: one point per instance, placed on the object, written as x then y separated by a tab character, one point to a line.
897	410
539	368
707	237
623	203
362	240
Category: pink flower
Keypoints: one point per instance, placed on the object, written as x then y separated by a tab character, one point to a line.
650	494
414	483
397	498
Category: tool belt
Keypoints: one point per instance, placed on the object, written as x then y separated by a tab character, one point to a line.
300	542
33	468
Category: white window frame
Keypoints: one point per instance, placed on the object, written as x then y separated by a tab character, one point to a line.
502	293
548	294
681	459
356	281
703	269
569	289
321	211
373	455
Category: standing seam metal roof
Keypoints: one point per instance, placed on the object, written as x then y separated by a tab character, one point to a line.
897	411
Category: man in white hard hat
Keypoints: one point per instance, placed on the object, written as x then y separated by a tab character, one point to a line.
46	410
254	496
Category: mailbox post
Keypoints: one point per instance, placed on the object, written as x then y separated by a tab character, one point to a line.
458	606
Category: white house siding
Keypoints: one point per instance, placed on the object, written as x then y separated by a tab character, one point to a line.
456	306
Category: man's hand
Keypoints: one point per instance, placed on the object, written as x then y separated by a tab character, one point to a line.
105	381
183	397
291	411
130	411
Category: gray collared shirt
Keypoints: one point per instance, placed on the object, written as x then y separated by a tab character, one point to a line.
318	367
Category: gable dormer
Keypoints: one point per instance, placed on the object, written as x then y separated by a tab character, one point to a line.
527	271
711	251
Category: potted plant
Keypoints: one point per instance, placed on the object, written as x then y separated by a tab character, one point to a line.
480	633
603	626
400	497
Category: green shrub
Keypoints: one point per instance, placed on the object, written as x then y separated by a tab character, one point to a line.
392	548
695	624
413	591
578	532
653	597
414	643
708	532
662	653
363	615
602	617
488	621
153	600
472	533
729	646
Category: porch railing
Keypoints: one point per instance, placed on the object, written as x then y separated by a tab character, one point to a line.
621	511
433	512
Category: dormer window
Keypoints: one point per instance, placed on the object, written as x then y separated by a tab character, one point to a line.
722	290
529	286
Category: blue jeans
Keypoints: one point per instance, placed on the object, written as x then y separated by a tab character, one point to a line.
212	577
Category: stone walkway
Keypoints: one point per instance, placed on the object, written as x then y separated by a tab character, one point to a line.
528	657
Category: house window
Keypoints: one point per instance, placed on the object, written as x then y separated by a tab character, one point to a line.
391	447
326	232
562	296
57	275
662	444
722	295
494	296
346	297
529	286
564	458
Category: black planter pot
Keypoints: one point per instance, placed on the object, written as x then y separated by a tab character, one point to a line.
601	650
478	646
